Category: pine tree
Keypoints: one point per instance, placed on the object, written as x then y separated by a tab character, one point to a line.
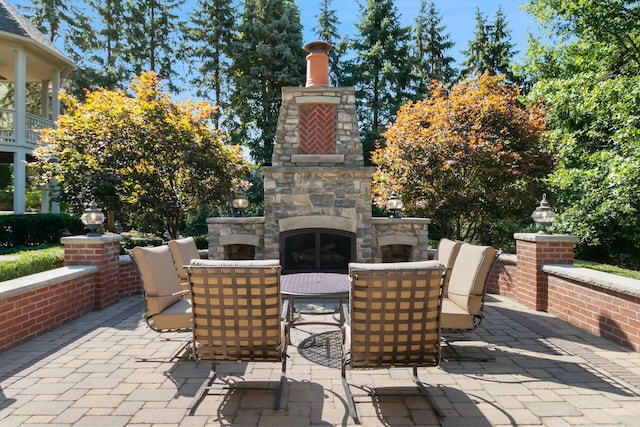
500	48
491	50
327	30
268	55
51	16
381	71
477	55
431	44
98	49
208	38
150	30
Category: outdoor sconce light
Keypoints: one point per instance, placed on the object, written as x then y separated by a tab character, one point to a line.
92	218
240	203
544	216
394	205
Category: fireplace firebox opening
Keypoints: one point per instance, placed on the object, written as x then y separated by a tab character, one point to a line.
316	250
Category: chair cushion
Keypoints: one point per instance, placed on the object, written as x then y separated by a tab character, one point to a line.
183	251
455	317
447	253
469	276
412	265
159	277
176	316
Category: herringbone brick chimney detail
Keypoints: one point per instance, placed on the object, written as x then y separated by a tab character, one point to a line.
317	129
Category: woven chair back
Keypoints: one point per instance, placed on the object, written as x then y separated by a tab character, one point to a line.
237	310
395	315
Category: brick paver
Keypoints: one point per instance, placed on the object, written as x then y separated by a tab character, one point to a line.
545	372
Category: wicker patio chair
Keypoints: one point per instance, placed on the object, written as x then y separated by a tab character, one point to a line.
463	307
393	321
238	316
165	309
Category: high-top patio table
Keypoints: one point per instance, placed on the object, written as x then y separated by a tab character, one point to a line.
315	286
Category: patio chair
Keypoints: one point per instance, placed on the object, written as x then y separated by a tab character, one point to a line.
165	309
446	254
238	316
463	307
392	321
183	251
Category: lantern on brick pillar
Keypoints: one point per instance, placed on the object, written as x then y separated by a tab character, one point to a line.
544	216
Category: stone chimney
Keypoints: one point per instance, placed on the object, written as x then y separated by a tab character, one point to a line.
317	63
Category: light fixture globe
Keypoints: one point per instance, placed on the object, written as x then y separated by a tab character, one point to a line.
92	218
394	205
240	203
544	216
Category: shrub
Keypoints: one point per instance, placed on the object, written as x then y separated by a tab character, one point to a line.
30	262
36	229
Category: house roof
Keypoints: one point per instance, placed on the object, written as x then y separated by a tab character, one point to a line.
15	28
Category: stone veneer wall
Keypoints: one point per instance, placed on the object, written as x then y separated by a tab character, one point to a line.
412	232
320	190
235	231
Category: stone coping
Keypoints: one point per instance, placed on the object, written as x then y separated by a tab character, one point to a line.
596	278
317	158
543	237
508	258
402	220
41	280
318	169
236	220
104	238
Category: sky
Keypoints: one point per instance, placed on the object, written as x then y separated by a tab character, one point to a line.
458	16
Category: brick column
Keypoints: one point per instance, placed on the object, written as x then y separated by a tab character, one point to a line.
103	252
533	251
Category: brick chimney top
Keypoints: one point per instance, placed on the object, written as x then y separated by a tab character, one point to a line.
317	63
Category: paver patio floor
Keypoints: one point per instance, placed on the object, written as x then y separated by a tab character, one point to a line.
545	372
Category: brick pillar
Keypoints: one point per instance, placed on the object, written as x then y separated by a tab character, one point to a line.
533	251
103	252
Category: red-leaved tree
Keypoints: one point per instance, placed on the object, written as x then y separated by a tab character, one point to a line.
469	157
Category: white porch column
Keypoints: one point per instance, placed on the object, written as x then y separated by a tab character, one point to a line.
20	103
44	99
19	181
19	131
55	113
55	95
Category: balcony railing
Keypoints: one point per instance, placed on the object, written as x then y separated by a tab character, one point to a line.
33	126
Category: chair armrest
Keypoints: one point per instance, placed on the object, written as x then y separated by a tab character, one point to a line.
285	310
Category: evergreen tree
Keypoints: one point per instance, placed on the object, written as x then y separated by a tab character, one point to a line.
327	30
267	55
431	44
381	71
477	55
98	49
151	27
208	39
51	16
500	47
491	50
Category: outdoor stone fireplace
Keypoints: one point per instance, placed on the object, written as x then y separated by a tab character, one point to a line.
317	191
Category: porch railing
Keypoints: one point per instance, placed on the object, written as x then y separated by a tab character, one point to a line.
33	125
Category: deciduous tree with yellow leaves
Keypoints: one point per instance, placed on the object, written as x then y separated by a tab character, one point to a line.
141	155
469	157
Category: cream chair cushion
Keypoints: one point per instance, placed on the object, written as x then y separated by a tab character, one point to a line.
159	277
183	251
447	254
467	286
